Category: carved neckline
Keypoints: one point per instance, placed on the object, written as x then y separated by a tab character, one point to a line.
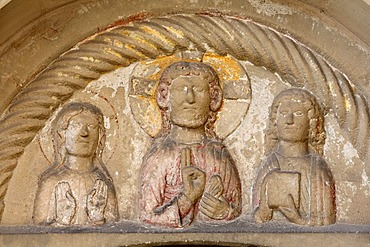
293	157
90	170
202	142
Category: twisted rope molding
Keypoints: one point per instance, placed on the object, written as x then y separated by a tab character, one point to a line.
153	38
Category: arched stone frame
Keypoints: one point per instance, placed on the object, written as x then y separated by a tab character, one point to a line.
37	31
124	44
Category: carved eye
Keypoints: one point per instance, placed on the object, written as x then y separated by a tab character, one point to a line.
298	113
179	88
198	89
283	113
92	126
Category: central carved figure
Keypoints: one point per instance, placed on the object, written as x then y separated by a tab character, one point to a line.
187	173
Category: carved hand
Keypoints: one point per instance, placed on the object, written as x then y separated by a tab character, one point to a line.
215	186
65	203
213	204
291	212
263	213
213	207
97	201
193	179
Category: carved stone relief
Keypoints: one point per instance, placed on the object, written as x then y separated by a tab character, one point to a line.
77	188
187	172
294	180
160	125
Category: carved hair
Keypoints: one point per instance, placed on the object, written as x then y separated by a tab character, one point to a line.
60	124
316	136
182	68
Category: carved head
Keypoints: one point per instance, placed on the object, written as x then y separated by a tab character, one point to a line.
189	95
295	116
78	130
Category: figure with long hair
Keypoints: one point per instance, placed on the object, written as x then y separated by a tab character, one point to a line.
294	182
77	189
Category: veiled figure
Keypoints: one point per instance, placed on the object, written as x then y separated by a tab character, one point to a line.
188	174
77	189
294	182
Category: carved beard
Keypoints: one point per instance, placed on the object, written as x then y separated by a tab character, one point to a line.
189	116
195	122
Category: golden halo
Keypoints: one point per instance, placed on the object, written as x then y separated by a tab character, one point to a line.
233	79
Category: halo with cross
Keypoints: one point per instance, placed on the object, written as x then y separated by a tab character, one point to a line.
233	79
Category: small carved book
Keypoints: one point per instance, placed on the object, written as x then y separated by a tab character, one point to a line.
280	186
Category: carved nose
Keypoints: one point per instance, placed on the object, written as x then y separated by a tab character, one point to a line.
190	98
84	132
289	119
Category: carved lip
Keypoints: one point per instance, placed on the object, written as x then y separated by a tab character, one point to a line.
289	127
82	141
190	109
190	106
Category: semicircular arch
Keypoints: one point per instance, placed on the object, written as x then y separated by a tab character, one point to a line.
123	45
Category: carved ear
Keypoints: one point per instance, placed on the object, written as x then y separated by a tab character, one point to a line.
216	100
162	95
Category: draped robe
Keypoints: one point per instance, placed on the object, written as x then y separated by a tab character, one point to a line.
161	181
317	190
81	185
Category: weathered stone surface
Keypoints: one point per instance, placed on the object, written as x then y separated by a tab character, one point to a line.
257	49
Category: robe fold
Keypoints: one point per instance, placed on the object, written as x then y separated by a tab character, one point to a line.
161	181
81	185
317	189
